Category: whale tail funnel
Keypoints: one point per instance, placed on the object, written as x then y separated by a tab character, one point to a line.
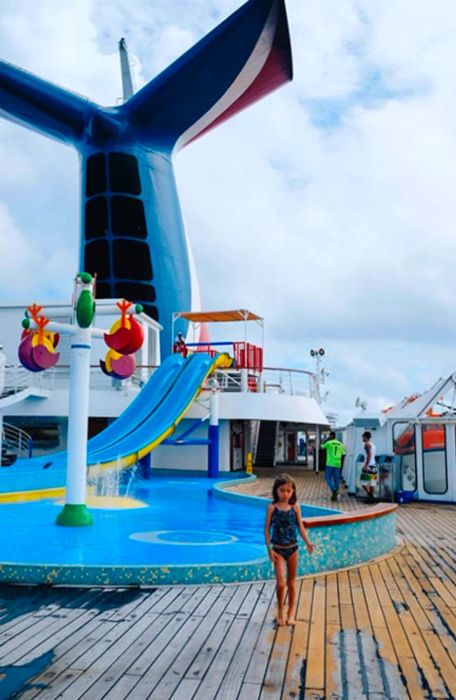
244	58
133	236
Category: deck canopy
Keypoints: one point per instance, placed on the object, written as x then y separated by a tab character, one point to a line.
217	316
198	321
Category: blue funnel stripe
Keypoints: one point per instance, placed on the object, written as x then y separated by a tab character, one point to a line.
42	106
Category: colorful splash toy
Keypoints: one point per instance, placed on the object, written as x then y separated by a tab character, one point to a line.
125	337
37	353
37	347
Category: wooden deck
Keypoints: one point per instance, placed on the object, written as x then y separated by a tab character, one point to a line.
382	630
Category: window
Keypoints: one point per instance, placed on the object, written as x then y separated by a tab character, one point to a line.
434	458
132	260
127	217
44	432
404	445
134	291
96	258
96	218
151	311
103	290
95	174
124	173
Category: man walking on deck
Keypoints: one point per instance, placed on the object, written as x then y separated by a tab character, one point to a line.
369	472
335	451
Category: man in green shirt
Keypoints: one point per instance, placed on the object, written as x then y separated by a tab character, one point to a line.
335	451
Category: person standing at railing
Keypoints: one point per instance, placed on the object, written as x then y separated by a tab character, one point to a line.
180	345
335	452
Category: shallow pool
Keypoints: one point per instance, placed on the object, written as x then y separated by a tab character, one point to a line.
182	523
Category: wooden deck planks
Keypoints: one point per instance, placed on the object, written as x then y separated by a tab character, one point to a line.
296	667
385	630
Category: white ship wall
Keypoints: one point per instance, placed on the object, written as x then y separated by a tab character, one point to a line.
193	456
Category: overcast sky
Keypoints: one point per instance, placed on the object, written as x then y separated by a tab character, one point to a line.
329	207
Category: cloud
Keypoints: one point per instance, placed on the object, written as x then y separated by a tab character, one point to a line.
28	271
328	207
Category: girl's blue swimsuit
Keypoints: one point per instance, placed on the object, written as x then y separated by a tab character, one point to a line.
284	532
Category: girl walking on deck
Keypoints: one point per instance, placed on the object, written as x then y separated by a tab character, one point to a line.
283	520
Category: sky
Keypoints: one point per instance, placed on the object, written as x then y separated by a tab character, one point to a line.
328	207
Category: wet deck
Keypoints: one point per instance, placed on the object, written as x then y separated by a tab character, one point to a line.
382	630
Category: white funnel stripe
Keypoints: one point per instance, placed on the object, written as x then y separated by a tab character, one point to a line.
244	80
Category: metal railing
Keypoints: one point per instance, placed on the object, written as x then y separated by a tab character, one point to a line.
293	382
16	378
15	443
278	380
228	380
275	380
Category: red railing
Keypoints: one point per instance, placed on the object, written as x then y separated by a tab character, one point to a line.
248	356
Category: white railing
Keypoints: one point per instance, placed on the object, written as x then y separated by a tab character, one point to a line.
229	380
16	378
294	382
273	380
278	380
15	441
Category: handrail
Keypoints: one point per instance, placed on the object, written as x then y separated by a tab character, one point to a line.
283	380
289	369
15	443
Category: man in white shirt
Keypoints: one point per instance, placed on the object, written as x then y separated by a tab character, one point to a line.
368	478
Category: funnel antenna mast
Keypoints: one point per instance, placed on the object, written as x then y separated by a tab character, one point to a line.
127	83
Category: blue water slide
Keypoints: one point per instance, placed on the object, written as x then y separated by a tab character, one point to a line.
140	408
161	422
148	420
143	405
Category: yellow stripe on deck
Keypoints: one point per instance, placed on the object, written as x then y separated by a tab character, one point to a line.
113	502
37	495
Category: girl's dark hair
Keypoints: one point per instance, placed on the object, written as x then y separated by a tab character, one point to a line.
280	481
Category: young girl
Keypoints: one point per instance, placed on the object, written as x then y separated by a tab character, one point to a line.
283	520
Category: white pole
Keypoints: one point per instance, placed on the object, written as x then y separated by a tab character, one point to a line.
75	511
78	416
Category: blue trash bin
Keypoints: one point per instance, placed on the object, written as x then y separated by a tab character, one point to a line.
404	496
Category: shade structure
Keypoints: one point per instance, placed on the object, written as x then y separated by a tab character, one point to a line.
218	316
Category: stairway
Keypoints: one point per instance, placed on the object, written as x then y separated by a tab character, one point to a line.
266	447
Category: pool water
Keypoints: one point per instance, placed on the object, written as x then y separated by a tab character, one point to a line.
183	523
